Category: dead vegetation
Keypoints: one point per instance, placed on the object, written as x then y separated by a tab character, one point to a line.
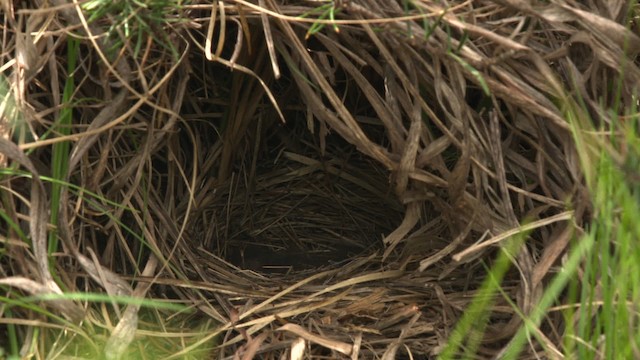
380	153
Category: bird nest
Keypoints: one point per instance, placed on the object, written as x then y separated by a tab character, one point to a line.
313	180
299	210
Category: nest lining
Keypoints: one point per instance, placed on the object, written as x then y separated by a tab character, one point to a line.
300	209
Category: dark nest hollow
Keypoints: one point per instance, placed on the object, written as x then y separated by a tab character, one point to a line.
288	208
338	189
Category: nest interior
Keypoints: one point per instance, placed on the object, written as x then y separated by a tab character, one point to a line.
343	184
294	194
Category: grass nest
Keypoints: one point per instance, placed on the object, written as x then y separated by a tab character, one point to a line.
289	203
323	180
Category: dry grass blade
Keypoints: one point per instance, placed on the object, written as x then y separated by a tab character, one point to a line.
328	343
37	228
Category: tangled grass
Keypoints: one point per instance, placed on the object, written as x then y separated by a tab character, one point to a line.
385	152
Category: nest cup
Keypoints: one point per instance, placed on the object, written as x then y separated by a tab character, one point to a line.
336	204
289	206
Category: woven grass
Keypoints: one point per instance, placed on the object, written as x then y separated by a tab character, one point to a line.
379	161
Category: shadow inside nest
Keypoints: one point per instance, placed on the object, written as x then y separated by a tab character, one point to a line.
295	208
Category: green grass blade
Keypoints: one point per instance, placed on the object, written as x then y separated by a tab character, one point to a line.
60	157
